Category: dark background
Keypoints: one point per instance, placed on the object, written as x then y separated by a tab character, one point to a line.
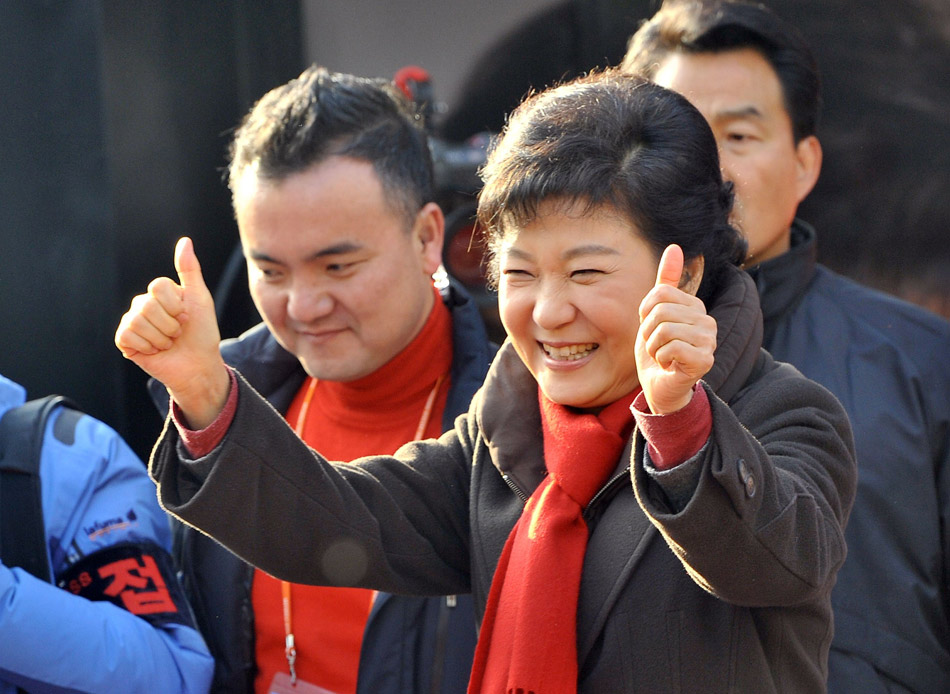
116	117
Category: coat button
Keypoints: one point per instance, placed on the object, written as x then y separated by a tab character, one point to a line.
745	476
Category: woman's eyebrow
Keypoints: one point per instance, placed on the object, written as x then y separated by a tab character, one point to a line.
589	249
570	253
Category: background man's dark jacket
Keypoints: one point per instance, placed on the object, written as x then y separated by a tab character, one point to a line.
888	362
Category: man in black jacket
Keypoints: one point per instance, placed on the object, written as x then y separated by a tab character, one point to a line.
756	82
361	350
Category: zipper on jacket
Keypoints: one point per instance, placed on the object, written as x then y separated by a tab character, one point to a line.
612	482
609	486
514	487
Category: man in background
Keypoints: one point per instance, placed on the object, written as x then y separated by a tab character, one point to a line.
756	82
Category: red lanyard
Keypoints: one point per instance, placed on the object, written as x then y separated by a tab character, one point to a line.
290	649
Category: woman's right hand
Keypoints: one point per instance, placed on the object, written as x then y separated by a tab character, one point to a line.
171	332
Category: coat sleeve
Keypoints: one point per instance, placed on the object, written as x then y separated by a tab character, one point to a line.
765	524
96	498
393	523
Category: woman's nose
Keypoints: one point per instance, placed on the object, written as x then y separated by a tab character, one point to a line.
552	307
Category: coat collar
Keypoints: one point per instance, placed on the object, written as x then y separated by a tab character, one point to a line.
783	281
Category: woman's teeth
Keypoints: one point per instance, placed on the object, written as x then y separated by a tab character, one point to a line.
569	353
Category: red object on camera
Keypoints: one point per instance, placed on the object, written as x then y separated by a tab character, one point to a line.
411	73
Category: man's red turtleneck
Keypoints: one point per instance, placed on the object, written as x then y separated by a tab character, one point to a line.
373	415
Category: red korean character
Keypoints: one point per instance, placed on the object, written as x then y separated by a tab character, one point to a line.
141	586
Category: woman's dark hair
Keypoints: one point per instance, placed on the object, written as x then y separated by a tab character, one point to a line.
321	114
610	139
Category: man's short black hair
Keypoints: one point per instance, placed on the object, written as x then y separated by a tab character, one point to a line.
322	114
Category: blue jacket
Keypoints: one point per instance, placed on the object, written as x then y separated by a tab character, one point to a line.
888	362
409	643
99	508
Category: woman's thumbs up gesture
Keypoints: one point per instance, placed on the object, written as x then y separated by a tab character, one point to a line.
171	332
677	338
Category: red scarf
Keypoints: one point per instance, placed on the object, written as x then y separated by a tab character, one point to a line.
528	639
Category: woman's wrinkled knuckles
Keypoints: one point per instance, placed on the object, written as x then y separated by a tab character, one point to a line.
167	293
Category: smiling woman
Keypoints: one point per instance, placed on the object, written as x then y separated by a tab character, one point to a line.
577	225
639	497
569	288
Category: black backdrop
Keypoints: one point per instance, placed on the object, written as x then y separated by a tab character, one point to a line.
59	269
116	117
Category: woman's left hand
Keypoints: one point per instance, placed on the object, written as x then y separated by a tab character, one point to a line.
676	341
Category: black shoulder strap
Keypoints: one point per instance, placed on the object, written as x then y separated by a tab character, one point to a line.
22	532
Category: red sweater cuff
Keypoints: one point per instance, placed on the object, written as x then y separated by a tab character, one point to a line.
202	442
676	437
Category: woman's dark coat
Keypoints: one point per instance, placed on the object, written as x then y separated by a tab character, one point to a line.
728	593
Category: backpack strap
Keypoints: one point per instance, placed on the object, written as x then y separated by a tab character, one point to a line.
22	531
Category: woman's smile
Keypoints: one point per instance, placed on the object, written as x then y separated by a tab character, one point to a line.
573	352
